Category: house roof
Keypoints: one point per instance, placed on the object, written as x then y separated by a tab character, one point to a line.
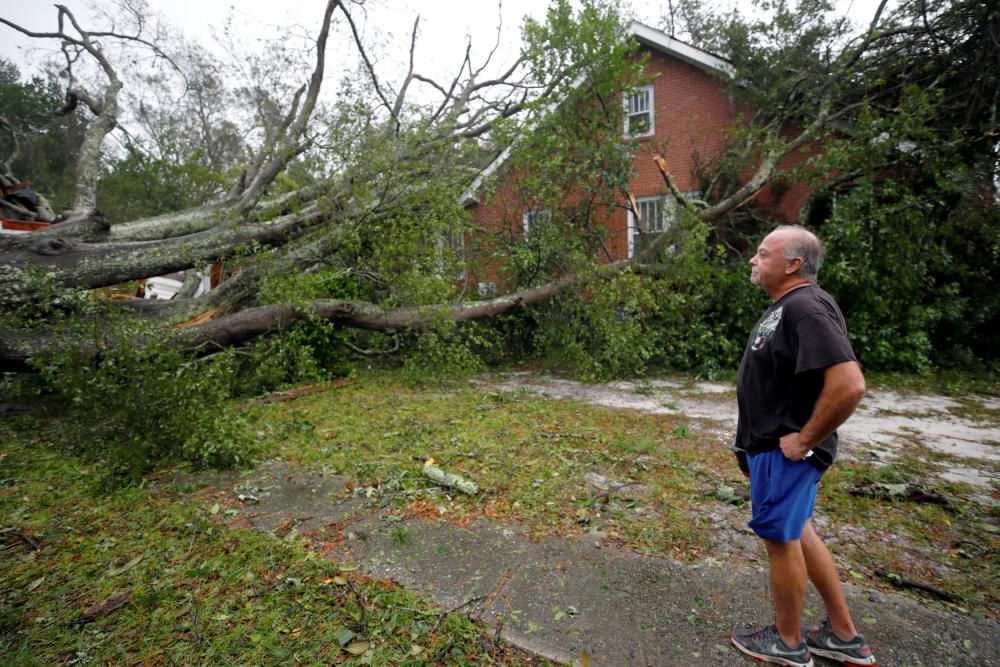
648	37
661	41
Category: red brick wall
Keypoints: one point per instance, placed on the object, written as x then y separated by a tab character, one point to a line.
692	114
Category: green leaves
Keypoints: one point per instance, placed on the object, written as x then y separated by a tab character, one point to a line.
138	402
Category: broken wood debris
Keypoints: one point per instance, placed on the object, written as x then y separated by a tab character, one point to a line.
902	582
24	537
908	492
96	610
448	479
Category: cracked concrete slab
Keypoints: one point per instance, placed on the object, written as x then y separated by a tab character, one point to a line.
884	423
566	597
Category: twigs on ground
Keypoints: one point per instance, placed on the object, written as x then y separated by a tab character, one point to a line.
902	582
24	537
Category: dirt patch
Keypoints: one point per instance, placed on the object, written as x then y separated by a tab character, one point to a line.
959	447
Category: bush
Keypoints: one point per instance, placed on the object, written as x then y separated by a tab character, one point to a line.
311	351
449	351
597	333
139	403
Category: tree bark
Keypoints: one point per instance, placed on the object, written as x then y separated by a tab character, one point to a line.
74	263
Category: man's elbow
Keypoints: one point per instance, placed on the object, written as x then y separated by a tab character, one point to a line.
857	390
847	382
856	386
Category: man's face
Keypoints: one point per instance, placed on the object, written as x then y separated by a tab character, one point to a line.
768	268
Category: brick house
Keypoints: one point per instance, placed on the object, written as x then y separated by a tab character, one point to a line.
684	112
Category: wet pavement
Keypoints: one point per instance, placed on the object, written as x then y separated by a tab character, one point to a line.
564	598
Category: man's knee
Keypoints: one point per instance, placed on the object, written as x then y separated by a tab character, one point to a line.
776	549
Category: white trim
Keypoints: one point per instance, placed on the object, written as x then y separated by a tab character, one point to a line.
527	216
645	35
661	41
627	101
633	228
670	210
631	234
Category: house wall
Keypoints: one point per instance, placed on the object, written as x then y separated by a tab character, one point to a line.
692	114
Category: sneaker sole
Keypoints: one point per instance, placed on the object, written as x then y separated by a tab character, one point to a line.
843	658
769	658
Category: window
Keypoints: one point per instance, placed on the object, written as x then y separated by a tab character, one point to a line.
657	215
449	252
639	112
533	219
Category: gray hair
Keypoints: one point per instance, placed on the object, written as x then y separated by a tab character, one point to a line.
806	245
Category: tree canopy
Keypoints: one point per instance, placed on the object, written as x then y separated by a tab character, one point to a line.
345	209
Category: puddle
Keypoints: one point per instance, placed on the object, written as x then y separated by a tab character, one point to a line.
885	421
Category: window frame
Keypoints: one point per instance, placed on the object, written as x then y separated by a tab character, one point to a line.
669	216
529	216
629	114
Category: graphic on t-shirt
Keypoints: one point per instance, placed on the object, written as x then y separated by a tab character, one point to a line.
766	329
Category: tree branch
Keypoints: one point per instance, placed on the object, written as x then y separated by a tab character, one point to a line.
292	144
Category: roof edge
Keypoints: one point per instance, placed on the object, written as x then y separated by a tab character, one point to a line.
661	41
647	36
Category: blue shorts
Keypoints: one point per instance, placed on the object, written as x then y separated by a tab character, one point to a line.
782	495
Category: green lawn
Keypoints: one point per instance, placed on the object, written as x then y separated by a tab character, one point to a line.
193	591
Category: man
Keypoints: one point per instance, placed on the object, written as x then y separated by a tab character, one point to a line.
798	381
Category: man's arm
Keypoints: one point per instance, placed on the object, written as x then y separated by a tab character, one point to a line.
843	387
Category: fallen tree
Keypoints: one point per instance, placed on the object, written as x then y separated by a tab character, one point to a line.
388	192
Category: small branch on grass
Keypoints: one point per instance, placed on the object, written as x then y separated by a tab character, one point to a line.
98	609
444	651
27	539
448	479
194	622
907	492
361	603
901	582
370	353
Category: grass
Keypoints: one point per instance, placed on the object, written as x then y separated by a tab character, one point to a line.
645	481
200	593
558	466
194	591
952	547
948	383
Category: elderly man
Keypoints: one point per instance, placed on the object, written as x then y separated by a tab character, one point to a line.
798	381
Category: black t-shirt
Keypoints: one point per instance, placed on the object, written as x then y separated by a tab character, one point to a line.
781	374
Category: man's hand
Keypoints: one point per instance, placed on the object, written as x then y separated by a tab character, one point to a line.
843	387
793	447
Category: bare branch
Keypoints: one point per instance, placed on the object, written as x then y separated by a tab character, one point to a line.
401	96
364	57
292	144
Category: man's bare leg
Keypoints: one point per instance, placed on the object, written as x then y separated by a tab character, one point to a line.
788	585
823	573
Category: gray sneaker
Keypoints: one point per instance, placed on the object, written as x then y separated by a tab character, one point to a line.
766	644
827	643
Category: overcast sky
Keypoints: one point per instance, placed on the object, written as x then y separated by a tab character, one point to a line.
444	23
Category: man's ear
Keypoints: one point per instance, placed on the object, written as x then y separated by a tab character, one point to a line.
794	266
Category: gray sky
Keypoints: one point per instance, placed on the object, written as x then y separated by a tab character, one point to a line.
444	23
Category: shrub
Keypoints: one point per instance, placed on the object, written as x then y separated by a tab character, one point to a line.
138	402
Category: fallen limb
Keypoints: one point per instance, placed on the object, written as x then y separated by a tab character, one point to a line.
902	582
99	609
27	539
908	492
448	479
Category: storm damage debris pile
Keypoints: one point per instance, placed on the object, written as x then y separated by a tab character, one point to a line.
21	207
